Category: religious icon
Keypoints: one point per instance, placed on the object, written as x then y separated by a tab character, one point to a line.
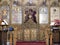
16	11
43	16
54	13
5	13
30	14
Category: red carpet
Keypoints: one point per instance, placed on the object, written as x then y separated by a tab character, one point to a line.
30	43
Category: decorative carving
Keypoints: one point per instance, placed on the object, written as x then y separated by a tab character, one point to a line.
30	2
44	3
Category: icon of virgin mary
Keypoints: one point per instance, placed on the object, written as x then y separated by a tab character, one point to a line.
30	14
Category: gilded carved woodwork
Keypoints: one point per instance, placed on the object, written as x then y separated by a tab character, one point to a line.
29	31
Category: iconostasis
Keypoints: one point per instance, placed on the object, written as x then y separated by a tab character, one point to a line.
30	16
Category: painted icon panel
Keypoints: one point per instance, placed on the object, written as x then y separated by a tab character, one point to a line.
43	15
30	17
16	15
5	13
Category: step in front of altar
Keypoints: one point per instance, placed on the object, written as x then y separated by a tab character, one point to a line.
30	43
